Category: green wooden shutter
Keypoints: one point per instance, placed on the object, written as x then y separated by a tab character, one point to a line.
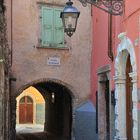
58	29
47	27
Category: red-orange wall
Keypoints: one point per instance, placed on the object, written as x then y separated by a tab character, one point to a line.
100	46
129	22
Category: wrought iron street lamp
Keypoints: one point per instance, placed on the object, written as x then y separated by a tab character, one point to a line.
69	17
70	14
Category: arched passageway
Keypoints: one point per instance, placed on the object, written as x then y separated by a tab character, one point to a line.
58	109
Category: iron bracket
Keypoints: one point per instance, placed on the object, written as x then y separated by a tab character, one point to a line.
114	7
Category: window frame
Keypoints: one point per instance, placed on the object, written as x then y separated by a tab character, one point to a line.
65	47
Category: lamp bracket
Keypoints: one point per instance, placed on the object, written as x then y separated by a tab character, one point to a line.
113	7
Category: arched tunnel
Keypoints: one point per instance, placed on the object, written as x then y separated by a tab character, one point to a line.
58	109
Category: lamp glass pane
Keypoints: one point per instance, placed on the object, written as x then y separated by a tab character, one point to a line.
70	20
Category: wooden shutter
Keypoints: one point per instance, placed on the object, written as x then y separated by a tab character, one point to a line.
58	29
47	26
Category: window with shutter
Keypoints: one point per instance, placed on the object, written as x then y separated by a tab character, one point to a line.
58	29
52	31
47	26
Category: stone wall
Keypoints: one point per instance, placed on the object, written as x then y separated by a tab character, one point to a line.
4	77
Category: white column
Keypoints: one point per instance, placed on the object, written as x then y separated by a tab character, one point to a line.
135	104
120	107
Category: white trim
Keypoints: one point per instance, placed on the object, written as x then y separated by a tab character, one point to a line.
125	47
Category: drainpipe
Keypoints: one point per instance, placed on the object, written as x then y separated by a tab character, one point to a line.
12	102
110	52
11	32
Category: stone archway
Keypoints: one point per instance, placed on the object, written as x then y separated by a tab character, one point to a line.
63	85
125	48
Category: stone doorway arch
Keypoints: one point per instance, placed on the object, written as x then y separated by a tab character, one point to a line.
125	48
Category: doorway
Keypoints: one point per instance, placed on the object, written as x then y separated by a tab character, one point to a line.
107	101
126	90
26	110
104	102
129	103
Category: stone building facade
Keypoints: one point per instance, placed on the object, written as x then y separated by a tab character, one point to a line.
62	67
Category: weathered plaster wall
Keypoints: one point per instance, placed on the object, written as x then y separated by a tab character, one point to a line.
129	22
30	62
100	48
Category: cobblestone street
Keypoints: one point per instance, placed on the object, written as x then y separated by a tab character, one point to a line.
29	128
34	132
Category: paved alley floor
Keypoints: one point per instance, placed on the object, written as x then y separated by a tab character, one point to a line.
29	128
34	132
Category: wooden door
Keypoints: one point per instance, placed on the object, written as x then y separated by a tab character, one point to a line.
107	110
129	105
26	110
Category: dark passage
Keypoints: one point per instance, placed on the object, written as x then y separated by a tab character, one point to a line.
58	113
39	136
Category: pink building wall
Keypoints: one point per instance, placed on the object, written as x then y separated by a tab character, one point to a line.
100	46
129	22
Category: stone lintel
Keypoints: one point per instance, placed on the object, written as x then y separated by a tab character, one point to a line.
104	69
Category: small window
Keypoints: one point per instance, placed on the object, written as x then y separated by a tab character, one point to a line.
26	99
29	100
52	30
22	100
